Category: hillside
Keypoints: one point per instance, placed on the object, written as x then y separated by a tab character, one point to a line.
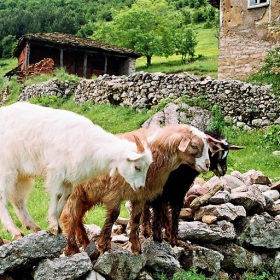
84	18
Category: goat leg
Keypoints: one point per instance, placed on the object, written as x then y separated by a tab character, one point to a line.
157	225
71	247
145	221
137	209
173	234
70	217
104	240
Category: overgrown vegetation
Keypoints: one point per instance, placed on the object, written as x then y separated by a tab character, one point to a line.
269	73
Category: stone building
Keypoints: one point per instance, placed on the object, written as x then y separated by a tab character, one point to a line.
81	56
248	30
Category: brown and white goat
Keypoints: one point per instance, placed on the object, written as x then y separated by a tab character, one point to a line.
166	207
172	146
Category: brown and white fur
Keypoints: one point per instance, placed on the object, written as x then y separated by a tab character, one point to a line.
172	146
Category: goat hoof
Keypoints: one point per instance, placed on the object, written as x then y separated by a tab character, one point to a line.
54	231
18	236
136	253
37	229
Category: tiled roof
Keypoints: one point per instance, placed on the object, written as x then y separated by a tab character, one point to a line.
73	42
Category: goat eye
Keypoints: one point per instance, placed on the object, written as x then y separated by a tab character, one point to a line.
194	147
137	168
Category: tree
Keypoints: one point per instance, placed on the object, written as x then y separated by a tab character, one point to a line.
185	42
146	27
8	43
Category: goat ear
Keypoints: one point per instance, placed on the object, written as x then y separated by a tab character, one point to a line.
139	145
235	148
184	144
133	156
215	147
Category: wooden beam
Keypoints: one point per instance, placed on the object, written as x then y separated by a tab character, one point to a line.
61	59
27	55
106	64
85	66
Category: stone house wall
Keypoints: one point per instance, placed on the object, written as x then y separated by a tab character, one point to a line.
246	35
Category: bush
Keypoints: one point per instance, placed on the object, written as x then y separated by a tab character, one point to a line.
270	71
218	122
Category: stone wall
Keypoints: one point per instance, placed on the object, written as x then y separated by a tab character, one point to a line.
243	103
233	231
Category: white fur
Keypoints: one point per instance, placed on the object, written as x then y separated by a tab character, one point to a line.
63	148
202	164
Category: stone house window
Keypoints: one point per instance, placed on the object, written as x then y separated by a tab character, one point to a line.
257	3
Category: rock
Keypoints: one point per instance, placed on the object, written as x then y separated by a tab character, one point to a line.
272	194
198	231
260	179
182	113
93	231
93	275
186	213
119	264
30	249
220	197
205	260
92	251
232	181
251	200
276	186
160	257
209	219
275	211
236	258
63	268
120	238
260	231
225	211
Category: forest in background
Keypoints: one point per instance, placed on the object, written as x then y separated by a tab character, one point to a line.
100	20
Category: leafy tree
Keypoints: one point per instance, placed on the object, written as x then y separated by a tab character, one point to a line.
185	42
146	27
7	45
199	16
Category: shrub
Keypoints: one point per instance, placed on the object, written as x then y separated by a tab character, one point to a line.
218	122
269	73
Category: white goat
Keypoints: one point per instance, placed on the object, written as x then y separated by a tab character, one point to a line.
63	148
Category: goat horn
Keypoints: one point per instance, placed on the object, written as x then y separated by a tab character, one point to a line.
139	145
235	148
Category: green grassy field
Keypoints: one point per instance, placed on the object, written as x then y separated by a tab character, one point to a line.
207	48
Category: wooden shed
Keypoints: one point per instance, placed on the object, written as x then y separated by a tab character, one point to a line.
249	29
81	56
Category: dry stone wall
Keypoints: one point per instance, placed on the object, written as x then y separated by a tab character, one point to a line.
242	103
233	231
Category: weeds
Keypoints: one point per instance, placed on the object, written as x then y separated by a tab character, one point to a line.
218	122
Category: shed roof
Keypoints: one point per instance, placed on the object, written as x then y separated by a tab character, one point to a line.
214	3
71	42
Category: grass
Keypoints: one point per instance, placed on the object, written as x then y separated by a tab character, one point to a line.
7	64
207	48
